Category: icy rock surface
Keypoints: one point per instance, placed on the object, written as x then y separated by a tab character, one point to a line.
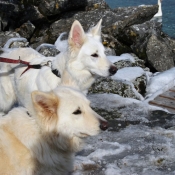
131	147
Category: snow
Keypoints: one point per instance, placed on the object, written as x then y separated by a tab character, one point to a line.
134	150
131	145
125	56
128	73
11	40
161	82
61	45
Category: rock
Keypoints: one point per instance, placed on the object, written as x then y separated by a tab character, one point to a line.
137	36
109	51
40	36
159	54
31	2
9	14
48	51
26	30
33	15
87	19
52	8
127	63
140	85
107	85
5	36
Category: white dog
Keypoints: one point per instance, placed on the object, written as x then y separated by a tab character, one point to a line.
44	143
79	64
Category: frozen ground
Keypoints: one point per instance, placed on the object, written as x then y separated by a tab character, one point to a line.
141	141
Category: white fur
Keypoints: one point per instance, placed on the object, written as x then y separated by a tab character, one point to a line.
45	143
78	66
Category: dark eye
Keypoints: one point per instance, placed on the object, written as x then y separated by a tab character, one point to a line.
78	111
94	55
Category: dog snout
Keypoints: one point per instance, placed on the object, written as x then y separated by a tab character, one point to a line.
112	70
103	125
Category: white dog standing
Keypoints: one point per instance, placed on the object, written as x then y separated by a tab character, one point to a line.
44	141
78	66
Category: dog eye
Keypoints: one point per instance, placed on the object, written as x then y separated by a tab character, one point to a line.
78	111
94	55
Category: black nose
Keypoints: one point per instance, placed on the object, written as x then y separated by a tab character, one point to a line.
103	125
112	70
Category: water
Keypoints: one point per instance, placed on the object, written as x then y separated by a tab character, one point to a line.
168	18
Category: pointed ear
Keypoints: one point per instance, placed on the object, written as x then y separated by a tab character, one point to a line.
96	30
76	35
46	105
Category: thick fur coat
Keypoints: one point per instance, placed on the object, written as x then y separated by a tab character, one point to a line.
44	141
79	65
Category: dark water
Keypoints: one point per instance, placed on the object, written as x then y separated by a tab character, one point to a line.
168	10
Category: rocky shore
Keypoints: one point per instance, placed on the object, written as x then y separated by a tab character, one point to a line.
131	32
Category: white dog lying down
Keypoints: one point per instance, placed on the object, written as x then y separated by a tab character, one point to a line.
84	59
45	143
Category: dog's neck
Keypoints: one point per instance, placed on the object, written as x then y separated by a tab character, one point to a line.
48	149
80	77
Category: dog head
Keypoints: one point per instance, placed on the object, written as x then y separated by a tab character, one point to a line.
67	113
88	52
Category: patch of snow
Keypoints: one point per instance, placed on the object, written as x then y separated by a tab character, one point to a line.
61	45
11	40
44	45
160	83
128	73
125	56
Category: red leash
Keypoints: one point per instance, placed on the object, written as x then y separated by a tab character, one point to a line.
34	66
8	60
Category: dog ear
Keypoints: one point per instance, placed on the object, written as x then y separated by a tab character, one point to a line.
46	105
76	35
96	30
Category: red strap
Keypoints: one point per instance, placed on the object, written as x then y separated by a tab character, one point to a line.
8	60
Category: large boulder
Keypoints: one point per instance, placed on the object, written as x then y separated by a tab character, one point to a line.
52	8
159	54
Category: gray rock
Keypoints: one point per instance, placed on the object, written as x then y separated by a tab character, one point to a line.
26	30
40	36
5	36
137	36
107	85
48	51
32	14
50	7
9	14
160	56
127	63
